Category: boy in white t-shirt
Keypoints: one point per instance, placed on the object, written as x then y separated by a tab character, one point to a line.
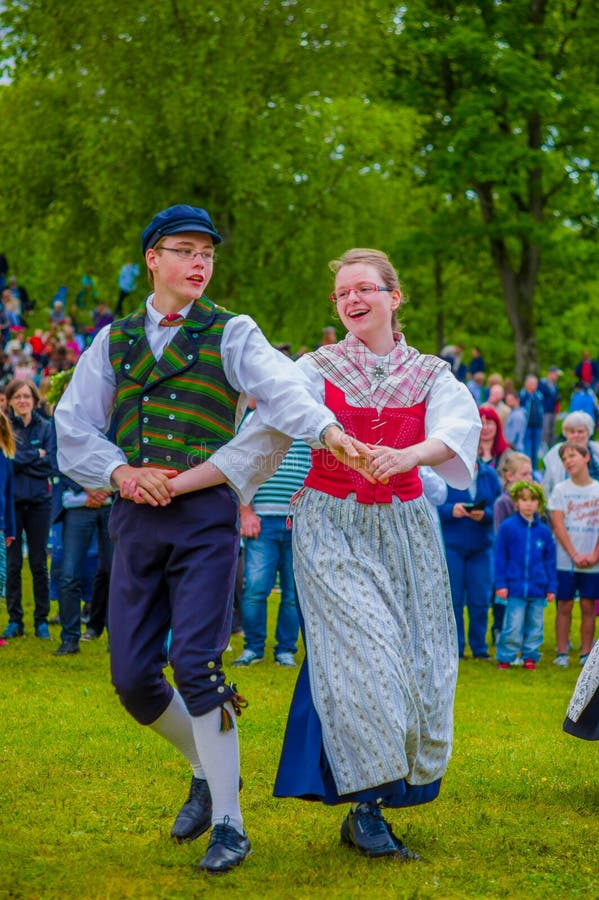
574	506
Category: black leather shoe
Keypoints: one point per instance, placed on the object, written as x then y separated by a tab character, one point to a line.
366	830
66	648
195	815
227	849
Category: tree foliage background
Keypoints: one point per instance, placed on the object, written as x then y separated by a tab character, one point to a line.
458	137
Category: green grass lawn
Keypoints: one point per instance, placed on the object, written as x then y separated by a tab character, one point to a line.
87	797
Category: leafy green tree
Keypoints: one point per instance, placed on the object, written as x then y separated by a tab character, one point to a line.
511	118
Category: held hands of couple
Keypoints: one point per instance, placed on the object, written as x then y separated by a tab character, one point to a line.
373	462
149	485
348	450
385	462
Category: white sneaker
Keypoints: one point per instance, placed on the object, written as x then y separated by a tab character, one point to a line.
286	659
247	658
561	660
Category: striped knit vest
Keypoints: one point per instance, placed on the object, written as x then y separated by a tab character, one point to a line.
177	411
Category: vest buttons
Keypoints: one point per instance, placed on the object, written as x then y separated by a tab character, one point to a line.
195	334
146	399
127	367
169	437
210	664
214	678
190	356
146	459
220	689
168	458
146	440
146	420
173	396
132	341
171	416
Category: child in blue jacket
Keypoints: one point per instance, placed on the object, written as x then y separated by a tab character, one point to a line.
525	576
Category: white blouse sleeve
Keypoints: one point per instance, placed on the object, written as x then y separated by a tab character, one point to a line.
453	418
283	395
256	452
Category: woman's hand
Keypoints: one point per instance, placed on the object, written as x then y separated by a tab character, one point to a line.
458	511
349	451
385	462
128	491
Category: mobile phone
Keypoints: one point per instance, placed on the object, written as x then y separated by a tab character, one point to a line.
480	504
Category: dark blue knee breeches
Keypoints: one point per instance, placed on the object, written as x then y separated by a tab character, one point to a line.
173	567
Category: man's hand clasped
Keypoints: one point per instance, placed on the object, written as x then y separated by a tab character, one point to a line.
150	485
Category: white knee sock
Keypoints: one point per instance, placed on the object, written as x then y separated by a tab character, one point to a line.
219	752
175	725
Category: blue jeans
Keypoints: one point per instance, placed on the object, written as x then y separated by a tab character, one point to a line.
471	579
270	552
522	629
532	444
79	527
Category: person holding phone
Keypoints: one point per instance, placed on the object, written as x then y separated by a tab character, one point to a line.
467	527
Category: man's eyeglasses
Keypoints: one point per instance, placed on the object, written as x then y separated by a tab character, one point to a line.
186	253
364	290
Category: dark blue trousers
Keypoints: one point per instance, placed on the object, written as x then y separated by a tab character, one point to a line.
173	567
79	527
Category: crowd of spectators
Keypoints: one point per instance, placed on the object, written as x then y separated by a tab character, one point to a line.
528	436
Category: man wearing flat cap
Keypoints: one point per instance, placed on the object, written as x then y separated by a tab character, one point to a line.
170	377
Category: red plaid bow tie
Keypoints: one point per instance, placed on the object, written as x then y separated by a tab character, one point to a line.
171	320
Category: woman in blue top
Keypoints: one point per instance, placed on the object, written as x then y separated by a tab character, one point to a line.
467	526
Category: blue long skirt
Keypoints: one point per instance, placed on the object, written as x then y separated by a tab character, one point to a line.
304	771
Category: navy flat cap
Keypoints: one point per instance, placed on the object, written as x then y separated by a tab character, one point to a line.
176	219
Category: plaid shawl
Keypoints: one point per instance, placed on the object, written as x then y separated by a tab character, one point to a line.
402	378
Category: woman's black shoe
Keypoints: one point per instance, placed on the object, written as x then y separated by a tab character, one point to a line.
365	829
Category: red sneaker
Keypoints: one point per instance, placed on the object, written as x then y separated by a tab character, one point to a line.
501	665
530	664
